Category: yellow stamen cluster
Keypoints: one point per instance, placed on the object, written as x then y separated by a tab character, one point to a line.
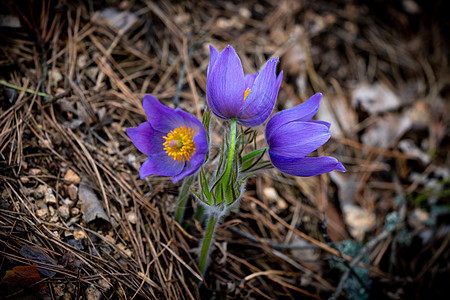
247	91
179	144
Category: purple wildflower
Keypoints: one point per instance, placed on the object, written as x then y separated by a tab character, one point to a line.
231	95
174	140
291	135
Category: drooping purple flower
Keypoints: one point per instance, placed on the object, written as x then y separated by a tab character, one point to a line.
248	98
174	140
291	135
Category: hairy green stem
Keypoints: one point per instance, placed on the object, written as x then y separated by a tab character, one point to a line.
209	233
232	146
183	197
199	213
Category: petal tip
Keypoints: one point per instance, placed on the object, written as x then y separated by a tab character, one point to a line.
340	167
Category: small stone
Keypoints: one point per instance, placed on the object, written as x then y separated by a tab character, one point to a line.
74	211
24	179
67	202
51	211
55	76
79	234
42	213
40	191
63	212
72	190
270	193
72	177
49	197
281	204
104	284
67	296
245	12
110	239
54	216
92	293
34	171
131	216
418	218
125	249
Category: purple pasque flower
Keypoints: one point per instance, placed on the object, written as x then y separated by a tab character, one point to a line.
291	135
231	95
174	140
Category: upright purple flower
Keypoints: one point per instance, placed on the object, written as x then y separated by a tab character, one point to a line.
291	135
174	140
231	95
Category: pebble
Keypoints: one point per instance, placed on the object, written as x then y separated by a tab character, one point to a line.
270	193
51	210
104	284
131	216
34	171
74	211
64	212
42	213
24	179
67	202
72	177
40	191
49	197
92	293
72	190
79	234
67	296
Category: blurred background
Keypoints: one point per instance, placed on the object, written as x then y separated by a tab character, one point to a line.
76	220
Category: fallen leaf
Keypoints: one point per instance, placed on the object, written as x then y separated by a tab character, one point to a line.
358	220
388	128
91	205
20	277
375	98
38	255
121	20
407	146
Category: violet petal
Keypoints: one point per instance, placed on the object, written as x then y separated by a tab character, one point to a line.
160	164
225	85
162	118
259	103
305	166
301	112
146	139
213	53
298	139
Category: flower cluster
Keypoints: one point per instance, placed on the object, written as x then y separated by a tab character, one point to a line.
176	142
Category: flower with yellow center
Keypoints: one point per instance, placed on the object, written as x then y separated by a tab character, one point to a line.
174	141
179	144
